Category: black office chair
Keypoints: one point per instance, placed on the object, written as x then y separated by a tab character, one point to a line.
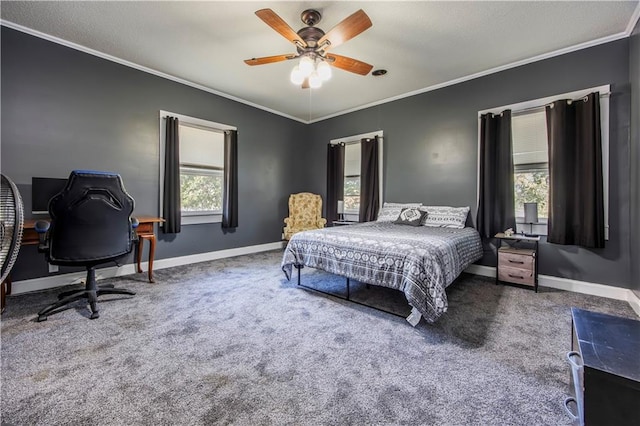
91	224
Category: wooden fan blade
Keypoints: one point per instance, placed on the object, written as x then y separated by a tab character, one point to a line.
268	59
347	29
277	23
349	64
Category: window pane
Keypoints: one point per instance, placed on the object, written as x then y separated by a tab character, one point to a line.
201	192
352	193
532	187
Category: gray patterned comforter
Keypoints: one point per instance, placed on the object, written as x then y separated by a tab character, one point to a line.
420	261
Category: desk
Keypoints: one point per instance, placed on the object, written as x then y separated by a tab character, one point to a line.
145	231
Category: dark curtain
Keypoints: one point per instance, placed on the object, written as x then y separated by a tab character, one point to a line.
230	193
496	204
369	180
335	180
576	200
171	194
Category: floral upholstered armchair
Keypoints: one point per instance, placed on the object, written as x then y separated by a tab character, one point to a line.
305	213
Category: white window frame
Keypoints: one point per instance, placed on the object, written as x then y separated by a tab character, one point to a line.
187	218
353	215
604	91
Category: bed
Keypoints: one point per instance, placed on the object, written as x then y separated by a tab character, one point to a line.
419	261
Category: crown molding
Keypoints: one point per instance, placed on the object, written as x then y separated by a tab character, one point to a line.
148	70
614	37
489	71
633	21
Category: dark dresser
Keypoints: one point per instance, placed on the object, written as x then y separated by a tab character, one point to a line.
607	349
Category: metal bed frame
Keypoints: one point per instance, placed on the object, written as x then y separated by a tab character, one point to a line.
348	298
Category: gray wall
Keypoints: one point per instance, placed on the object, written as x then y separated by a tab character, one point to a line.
64	110
634	78
431	144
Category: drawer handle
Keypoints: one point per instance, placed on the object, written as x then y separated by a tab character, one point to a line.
575	359
516	276
568	402
516	261
574	356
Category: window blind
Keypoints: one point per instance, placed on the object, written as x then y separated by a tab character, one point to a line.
352	159
529	133
201	147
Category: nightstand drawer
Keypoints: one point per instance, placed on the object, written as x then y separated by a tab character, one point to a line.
521	259
516	275
518	262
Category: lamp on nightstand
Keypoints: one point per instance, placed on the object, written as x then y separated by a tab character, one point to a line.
340	210
531	216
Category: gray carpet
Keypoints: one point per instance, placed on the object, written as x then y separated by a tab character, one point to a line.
233	342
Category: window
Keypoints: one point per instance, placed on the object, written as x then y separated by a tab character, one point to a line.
352	155
531	162
531	158
352	178
201	170
201	167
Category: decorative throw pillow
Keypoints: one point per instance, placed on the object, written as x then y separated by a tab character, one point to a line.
445	216
411	216
390	211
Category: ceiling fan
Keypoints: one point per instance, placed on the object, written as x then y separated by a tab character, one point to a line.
312	45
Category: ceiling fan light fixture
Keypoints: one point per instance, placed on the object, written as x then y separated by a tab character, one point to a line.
296	76
324	71
306	66
312	44
314	80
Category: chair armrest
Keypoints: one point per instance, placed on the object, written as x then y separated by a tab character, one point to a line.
134	227
288	221
42	228
322	222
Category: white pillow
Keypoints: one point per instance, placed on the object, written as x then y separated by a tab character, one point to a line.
391	211
445	216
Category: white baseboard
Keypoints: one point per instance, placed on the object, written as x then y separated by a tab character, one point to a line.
634	301
53	281
576	286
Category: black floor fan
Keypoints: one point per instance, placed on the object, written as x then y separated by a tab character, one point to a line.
11	228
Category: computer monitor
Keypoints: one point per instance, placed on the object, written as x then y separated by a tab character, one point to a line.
42	190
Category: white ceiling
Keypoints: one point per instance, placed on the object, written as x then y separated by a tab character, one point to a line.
422	44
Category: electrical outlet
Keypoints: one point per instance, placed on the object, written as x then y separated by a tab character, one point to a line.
53	268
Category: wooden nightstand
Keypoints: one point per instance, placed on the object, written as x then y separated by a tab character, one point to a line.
518	265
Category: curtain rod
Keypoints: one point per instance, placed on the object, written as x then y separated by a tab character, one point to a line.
517	112
354	142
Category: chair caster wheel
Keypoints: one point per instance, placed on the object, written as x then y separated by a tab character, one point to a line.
42	318
94	315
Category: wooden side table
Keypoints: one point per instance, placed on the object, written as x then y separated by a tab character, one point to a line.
518	265
145	231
